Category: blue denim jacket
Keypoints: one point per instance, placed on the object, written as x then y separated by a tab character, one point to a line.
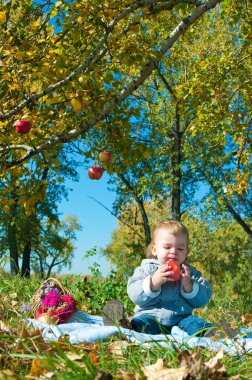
169	304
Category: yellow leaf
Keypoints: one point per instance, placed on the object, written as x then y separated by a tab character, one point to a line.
6	75
76	105
6	208
14	86
36	86
38	367
2	17
60	179
20	55
46	66
54	12
36	23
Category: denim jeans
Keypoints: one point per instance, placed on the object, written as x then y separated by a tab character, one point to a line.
149	325
192	325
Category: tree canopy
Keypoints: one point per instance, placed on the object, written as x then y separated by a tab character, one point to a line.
61	64
163	84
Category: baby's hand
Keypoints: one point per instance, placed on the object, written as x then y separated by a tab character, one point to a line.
186	280
160	277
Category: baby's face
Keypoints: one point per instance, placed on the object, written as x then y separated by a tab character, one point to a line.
169	246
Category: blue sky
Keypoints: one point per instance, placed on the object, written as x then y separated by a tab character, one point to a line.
97	223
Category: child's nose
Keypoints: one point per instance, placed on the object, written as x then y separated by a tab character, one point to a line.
173	250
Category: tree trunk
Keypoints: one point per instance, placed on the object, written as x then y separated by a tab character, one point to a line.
145	220
176	154
176	169
12	242
140	204
26	270
12	236
238	218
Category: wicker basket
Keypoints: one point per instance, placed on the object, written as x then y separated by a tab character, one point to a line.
49	284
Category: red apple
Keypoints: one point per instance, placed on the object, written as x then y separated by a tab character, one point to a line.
105	156
95	172
47	318
23	126
174	266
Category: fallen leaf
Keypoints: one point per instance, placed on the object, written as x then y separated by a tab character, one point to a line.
157	371
118	348
214	361
122	375
74	357
246	319
3	327
49	375
103	376
37	368
193	362
7	374
93	356
197	368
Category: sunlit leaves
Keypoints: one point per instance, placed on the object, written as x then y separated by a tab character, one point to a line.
3	17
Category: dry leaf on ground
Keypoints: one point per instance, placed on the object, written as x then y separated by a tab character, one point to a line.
73	356
103	376
123	375
157	371
246	319
3	328
7	374
118	348
94	357
37	368
192	366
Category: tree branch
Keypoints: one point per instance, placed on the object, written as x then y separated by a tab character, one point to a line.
112	213
179	30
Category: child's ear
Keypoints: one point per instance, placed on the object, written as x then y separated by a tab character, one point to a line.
153	250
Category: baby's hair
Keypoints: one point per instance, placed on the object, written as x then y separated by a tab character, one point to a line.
173	226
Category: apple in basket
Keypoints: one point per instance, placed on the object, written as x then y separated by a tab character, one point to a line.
47	318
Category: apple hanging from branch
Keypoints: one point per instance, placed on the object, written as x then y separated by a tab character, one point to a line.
95	172
105	156
23	126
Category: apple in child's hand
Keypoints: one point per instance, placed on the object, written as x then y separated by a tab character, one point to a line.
95	172
23	126
175	268
105	156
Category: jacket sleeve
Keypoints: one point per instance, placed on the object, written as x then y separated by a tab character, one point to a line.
202	291
138	288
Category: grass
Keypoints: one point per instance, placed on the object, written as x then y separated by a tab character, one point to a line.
25	355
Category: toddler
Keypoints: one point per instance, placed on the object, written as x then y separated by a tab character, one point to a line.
161	302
